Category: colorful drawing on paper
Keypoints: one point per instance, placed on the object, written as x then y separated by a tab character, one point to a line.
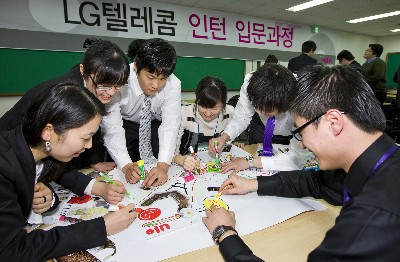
217	202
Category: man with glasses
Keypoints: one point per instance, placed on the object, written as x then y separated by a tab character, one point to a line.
265	92
375	71
143	120
104	70
341	122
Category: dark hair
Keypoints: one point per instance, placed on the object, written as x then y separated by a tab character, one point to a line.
271	59
269	87
346	55
107	62
341	87
377	49
89	42
157	56
66	106
210	91
307	46
134	47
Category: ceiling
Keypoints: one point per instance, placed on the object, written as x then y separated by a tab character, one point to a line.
331	15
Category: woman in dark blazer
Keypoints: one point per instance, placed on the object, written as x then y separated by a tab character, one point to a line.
57	126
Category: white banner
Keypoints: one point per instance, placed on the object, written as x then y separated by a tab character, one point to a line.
147	19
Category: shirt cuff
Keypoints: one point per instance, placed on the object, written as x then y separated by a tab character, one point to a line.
88	189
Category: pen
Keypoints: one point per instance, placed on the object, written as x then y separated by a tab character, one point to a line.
110	181
219	193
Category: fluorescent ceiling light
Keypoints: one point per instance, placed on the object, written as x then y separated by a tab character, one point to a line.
307	5
359	20
395	30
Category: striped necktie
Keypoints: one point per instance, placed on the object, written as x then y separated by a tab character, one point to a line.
145	150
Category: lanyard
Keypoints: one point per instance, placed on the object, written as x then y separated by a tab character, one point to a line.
198	127
380	161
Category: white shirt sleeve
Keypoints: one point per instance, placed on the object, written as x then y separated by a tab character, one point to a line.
114	133
88	189
294	159
244	111
171	122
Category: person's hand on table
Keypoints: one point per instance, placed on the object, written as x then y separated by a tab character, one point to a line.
221	142
236	185
112	193
217	217
132	173
42	198
119	220
157	176
190	162
103	166
236	164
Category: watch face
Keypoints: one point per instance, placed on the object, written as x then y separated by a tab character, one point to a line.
218	231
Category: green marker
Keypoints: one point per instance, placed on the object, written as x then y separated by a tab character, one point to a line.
140	164
110	181
216	154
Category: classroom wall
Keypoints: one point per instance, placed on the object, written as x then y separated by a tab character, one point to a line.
329	42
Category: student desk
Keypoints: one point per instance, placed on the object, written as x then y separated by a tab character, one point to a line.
291	240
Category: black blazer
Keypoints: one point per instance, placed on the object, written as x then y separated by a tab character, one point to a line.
73	180
295	64
17	179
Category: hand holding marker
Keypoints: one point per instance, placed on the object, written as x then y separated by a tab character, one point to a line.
140	164
110	181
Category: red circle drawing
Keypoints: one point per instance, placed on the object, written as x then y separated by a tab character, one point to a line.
149	214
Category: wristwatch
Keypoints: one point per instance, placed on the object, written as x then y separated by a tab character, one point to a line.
219	230
249	160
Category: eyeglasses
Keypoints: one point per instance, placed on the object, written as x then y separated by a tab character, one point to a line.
105	88
296	133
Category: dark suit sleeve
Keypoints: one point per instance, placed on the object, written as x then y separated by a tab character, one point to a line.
234	249
55	196
327	185
74	181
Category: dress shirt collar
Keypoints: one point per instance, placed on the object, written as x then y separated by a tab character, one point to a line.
371	59
360	169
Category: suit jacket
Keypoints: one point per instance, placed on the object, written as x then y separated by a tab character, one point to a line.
295	64
17	179
375	74
73	180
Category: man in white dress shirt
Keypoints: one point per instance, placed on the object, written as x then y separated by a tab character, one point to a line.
151	78
265	91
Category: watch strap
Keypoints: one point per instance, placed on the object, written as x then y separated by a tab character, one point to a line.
220	230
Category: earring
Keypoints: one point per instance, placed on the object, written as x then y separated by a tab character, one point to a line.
47	146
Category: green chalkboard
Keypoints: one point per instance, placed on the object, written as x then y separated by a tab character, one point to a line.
22	69
393	62
190	70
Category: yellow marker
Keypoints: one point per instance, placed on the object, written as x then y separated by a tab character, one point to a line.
219	193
